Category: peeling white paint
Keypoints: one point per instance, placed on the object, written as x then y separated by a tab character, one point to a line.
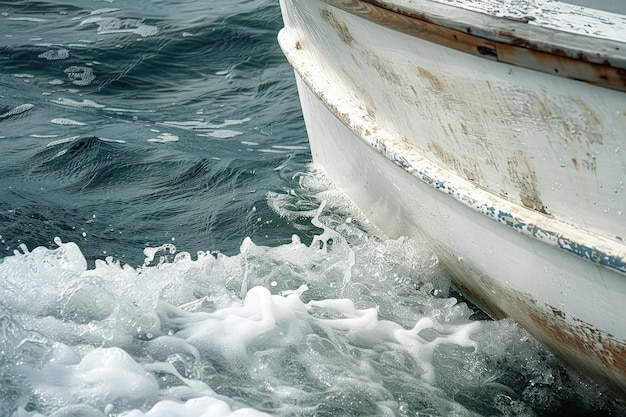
584	19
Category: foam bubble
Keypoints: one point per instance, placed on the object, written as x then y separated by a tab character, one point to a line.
103	11
221	134
164	138
22	108
28	19
197	407
43	136
78	75
55	54
150	253
289	147
103	377
66	122
272	151
202	125
113	25
207	129
112	140
86	103
61	141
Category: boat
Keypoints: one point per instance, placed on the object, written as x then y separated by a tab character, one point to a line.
494	130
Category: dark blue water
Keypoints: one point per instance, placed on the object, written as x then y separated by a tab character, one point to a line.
209	63
167	247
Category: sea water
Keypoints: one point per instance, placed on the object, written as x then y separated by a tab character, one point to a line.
168	249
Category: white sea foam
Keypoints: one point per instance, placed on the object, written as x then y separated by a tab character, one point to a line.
61	141
164	138
67	122
184	312
79	104
345	325
15	111
197	407
103	375
221	134
113	25
28	19
121	110
231	122
266	150
103	11
55	54
78	75
202	125
112	140
43	136
207	129
289	147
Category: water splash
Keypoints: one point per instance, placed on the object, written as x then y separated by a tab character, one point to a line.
346	325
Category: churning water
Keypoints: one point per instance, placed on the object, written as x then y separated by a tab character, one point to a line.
167	249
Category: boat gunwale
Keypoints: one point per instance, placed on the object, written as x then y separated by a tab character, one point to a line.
597	61
554	232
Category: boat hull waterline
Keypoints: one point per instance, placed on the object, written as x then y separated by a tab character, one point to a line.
510	168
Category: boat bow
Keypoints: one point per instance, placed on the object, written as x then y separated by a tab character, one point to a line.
496	138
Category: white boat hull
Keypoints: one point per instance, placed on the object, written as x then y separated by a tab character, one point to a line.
514	176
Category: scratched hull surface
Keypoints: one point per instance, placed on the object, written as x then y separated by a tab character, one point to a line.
511	168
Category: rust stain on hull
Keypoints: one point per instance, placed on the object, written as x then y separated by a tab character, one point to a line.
503	45
569	338
585	349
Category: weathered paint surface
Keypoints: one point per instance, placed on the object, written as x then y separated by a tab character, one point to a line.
542	142
515	177
595	18
594	60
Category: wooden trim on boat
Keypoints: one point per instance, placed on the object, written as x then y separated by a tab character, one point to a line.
572	57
